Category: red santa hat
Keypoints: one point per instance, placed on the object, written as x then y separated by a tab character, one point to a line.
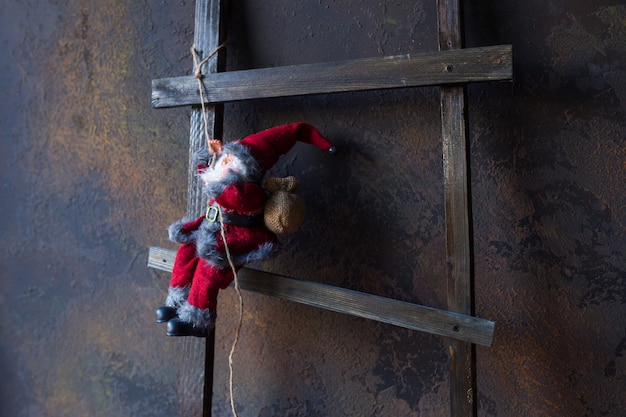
267	146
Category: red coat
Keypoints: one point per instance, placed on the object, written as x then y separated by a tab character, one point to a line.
205	275
247	199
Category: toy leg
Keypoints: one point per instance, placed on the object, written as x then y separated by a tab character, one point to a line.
198	314
185	266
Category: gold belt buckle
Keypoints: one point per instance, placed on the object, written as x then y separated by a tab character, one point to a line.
211	214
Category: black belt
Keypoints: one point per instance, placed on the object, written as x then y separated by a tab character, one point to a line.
214	212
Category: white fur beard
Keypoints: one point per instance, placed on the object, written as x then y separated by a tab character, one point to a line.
217	172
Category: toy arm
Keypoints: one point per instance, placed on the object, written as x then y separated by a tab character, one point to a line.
184	232
248	198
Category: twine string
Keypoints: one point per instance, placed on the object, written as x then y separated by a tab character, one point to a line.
198	75
239	322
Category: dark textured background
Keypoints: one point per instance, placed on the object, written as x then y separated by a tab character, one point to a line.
92	176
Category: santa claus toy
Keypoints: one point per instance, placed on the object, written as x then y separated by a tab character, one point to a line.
232	233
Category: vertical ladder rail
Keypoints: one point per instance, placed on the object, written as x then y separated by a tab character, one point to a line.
457	206
209	31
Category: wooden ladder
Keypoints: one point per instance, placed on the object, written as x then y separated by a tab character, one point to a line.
451	68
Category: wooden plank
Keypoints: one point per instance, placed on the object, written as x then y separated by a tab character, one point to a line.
456	185
458	246
449	67
399	313
458	231
196	387
208	36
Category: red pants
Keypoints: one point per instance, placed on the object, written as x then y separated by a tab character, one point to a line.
204	279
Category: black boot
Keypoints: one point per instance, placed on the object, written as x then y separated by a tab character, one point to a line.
164	314
177	327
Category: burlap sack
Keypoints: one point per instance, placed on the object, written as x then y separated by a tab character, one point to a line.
284	210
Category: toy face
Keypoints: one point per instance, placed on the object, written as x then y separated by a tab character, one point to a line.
225	164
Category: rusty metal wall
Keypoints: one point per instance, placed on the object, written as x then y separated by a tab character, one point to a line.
92	176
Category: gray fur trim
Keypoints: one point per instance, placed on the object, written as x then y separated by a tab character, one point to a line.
214	257
176	296
201	157
206	239
204	319
176	235
262	252
242	152
251	171
215	188
220	260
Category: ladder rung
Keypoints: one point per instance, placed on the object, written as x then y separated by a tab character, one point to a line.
355	303
490	63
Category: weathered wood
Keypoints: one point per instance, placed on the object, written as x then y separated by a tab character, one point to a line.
341	300
458	244
449	67
456	198
208	36
196	388
458	230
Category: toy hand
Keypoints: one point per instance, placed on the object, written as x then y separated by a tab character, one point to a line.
215	146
